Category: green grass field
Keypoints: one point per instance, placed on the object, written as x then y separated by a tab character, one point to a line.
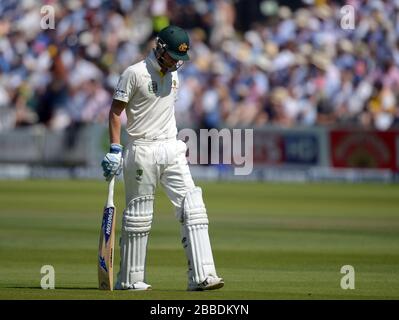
270	241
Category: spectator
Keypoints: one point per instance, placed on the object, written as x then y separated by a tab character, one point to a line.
293	67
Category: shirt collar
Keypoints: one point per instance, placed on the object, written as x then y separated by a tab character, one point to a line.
152	60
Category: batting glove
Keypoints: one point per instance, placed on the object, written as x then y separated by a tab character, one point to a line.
112	162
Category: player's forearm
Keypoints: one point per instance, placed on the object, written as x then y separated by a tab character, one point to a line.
114	128
115	121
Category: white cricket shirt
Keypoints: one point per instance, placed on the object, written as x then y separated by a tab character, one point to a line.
150	98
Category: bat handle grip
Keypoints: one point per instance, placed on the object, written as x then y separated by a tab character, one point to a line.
110	199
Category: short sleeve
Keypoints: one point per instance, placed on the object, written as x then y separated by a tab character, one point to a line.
126	86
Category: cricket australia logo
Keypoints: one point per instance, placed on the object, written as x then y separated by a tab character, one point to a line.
183	47
152	87
139	174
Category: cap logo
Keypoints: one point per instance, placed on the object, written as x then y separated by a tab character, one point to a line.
183	47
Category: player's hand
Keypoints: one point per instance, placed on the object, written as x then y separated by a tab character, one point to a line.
112	162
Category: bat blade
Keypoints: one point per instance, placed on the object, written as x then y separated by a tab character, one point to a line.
106	249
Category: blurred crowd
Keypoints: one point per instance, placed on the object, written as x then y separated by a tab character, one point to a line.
292	67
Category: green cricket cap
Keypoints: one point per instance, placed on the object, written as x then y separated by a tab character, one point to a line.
177	42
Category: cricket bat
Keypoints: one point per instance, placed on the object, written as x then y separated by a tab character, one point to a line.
107	241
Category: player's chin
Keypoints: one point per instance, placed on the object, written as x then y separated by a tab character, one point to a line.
170	68
170	65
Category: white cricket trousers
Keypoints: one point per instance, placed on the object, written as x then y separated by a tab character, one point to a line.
146	165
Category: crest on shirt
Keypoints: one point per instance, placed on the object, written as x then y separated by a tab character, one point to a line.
152	87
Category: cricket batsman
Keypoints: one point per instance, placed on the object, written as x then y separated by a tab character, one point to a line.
147	91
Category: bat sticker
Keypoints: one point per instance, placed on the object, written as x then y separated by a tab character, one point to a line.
107	223
102	263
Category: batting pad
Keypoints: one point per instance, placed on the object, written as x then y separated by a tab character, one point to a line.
195	238
136	226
